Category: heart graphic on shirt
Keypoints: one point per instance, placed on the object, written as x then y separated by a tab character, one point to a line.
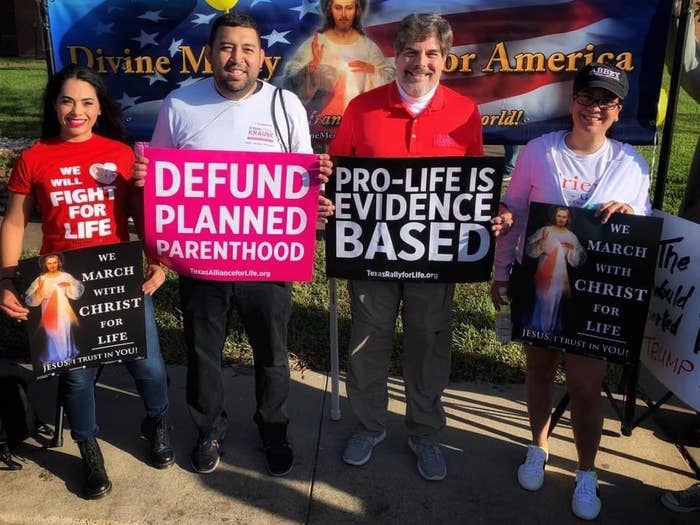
104	173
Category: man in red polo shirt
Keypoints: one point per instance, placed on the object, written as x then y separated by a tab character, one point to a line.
412	117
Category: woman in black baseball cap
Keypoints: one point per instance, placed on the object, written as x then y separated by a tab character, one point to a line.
581	167
604	76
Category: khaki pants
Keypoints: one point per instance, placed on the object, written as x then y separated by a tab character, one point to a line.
426	311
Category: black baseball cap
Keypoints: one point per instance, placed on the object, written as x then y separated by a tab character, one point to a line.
604	76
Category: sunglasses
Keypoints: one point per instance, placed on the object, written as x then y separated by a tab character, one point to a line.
587	100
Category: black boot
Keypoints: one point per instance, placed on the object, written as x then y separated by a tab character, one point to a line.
6	458
157	432
279	456
97	483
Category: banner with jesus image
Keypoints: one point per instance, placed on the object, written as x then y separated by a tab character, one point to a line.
85	307
584	286
413	219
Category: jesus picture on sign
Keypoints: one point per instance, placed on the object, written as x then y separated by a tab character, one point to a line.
556	247
52	290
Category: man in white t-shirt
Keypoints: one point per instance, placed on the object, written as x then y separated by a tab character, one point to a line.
235	111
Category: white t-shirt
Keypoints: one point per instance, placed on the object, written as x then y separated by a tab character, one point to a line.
617	173
198	117
578	174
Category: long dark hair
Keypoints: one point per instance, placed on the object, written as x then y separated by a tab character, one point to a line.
109	122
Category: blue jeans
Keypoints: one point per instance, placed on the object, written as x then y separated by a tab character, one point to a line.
78	386
511	155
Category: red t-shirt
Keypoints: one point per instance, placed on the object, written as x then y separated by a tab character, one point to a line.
376	124
81	189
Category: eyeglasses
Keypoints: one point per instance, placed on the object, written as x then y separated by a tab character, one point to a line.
587	100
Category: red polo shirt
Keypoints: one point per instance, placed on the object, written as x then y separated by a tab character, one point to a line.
376	124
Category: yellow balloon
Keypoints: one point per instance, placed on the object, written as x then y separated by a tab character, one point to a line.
661	107
222	5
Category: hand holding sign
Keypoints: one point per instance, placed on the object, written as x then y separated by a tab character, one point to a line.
503	222
9	301
606	210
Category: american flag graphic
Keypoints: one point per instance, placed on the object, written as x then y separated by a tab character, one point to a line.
98	33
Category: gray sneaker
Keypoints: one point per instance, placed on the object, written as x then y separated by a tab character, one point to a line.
359	447
431	462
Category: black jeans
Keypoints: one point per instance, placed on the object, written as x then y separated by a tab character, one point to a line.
264	308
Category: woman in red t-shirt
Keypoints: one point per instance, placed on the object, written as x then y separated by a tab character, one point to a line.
82	140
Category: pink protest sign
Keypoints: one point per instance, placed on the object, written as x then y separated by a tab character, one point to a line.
232	216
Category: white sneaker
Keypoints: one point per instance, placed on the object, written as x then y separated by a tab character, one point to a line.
585	502
531	472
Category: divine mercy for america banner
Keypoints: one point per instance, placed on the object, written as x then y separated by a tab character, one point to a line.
515	58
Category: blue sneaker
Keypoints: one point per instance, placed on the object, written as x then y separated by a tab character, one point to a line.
585	503
359	447
431	462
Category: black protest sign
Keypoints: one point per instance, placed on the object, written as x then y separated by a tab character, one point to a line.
585	286
85	307
413	219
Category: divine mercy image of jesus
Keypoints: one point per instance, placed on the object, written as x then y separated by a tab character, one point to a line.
556	248
52	291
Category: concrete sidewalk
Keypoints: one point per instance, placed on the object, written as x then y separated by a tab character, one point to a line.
483	442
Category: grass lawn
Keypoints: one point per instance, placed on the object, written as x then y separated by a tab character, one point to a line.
476	353
685	136
21	84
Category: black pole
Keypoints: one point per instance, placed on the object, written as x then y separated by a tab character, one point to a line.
674	89
630	403
42	7
57	441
